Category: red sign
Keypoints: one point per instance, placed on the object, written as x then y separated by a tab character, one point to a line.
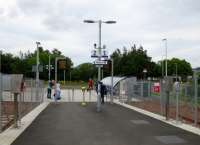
156	88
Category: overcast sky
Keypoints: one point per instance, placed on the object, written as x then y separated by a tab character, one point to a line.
59	24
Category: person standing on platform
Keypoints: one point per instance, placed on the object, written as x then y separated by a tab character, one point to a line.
90	84
103	92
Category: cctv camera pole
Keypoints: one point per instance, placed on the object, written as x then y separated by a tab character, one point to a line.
99	57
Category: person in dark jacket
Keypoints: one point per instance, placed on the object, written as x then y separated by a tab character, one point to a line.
103	92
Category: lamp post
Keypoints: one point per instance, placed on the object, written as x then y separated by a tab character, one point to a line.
165	40
176	71
112	73
162	66
49	67
145	71
99	56
37	70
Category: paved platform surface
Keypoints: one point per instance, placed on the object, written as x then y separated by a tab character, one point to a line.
72	124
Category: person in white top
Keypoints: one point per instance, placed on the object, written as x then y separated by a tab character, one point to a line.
57	92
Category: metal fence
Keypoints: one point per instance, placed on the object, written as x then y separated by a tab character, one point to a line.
74	95
13	106
151	96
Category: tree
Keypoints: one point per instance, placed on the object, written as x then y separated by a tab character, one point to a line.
23	63
184	68
132	62
84	71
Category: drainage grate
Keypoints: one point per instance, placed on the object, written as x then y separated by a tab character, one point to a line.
140	122
170	139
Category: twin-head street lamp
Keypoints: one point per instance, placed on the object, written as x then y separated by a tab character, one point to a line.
92	21
99	56
99	47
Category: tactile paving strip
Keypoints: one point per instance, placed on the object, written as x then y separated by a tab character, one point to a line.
170	139
140	122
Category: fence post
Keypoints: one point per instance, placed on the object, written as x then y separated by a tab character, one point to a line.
168	84
1	96
69	97
31	93
161	96
195	97
177	89
72	94
142	86
149	89
16	111
20	106
89	95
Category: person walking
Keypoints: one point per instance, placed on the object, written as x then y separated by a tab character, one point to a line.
57	92
50	84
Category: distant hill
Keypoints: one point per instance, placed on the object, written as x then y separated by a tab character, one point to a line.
198	69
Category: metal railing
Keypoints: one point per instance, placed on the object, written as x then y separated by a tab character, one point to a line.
16	105
151	96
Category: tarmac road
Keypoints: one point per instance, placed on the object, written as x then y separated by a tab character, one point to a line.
72	124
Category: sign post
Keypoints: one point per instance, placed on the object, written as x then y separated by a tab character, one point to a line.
56	66
99	55
83	103
99	63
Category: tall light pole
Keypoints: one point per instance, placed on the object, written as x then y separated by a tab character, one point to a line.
37	70
165	40
112	73
99	56
162	66
176	72
49	67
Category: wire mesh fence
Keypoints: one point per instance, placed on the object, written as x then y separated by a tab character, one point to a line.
74	95
13	106
152	96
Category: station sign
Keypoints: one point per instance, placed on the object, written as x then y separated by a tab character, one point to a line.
34	68
62	64
100	62
99	66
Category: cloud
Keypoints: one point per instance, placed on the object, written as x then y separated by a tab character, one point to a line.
59	24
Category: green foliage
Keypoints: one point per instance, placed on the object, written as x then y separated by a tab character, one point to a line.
132	62
184	68
84	72
128	62
23	63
